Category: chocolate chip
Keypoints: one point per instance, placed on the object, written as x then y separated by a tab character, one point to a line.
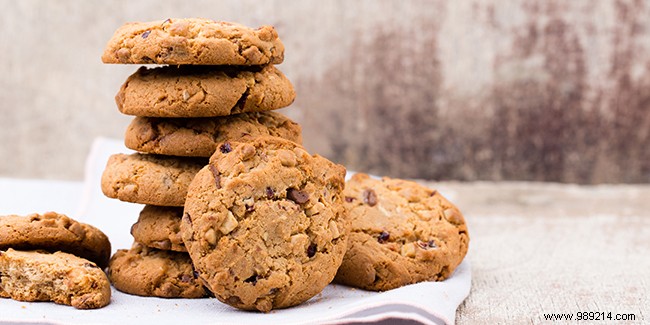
225	147
311	250
216	174
186	218
297	196
249	208
252	279
270	193
146	34
427	245
349	199
433	193
370	197
383	237
185	278
168	20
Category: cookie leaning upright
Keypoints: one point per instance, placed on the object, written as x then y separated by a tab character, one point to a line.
264	223
401	233
193	41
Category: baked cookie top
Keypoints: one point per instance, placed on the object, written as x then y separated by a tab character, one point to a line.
59	277
52	232
264	223
203	91
193	41
150	272
159	227
149	179
401	233
198	137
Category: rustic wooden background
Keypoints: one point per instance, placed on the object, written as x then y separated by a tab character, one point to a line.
462	90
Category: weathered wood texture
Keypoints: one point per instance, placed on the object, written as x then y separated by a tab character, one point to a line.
467	90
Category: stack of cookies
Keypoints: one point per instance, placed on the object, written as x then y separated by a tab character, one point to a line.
214	83
234	205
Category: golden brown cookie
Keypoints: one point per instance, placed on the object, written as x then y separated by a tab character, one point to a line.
149	179
264	223
193	41
401	233
198	137
150	272
203	91
159	227
59	277
53	232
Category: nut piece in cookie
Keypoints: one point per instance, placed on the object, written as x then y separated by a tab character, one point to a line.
264	223
196	41
150	272
59	277
53	232
401	233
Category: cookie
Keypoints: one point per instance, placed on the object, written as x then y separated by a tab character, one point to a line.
150	272
198	137
193	41
54	232
203	91
149	179
159	227
59	277
401	233
264	223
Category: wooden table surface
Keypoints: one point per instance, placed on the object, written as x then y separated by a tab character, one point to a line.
540	248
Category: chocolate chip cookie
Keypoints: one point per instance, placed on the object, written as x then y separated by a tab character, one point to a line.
150	272
193	41
149	179
264	223
401	233
159	227
59	277
198	137
54	232
203	91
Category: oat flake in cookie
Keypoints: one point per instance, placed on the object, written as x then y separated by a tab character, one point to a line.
401	233
177	41
264	223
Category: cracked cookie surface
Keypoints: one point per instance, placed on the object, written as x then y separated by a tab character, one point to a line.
203	91
58	277
198	137
53	232
193	41
264	223
159	227
401	233
149	179
150	272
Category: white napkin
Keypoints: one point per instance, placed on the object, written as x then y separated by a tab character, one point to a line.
427	302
